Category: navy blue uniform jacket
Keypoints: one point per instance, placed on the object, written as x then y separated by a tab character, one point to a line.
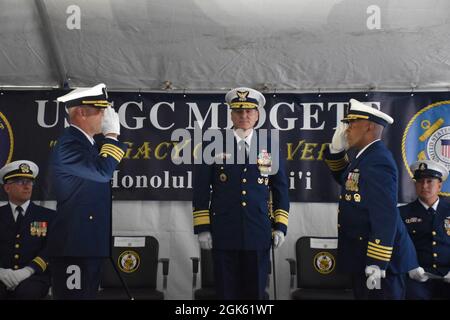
231	201
430	234
27	247
370	229
81	181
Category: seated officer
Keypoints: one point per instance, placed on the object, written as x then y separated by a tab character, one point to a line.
428	222
23	235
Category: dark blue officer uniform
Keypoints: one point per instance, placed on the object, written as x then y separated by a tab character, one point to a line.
26	247
430	233
80	235
231	201
370	229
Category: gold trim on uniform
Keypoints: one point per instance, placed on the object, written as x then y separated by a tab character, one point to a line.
355	116
243	105
281	216
378	251
41	263
24	175
201	217
223	177
337	165
113	151
357	197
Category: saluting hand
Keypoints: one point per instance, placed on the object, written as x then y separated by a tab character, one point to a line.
339	142
111	122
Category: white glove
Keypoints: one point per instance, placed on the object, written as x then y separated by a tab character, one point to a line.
447	277
21	274
375	270
418	274
205	240
339	142
110	123
278	238
7	278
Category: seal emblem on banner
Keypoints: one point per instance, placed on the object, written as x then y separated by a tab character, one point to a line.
6	141
128	261
427	136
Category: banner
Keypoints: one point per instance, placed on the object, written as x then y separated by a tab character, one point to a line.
31	122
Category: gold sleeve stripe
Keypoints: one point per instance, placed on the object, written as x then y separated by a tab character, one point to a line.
200	211
279	214
377	258
41	263
281	219
114	148
201	220
104	153
379	250
112	153
337	165
380	246
385	255
281	211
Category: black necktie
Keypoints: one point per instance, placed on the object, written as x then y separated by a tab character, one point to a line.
243	148
19	219
431	210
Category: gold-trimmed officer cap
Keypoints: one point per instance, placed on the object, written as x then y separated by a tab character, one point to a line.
359	110
429	169
96	96
19	169
245	98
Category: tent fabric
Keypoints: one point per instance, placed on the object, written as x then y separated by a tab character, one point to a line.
217	44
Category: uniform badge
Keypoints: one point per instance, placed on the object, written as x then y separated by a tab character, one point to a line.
260	180
357	197
447	225
264	162
33	229
324	262
24	168
266	181
223	177
242	95
377	241
352	181
38	228
348	197
128	261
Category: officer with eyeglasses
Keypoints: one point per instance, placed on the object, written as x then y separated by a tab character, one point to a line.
23	235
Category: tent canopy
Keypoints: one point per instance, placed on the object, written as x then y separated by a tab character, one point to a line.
218	44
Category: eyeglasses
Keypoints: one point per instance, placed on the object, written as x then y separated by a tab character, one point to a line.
22	182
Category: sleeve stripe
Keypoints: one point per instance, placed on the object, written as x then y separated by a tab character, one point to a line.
201	220
380	246
281	219
41	263
113	147
119	152
379	250
200	211
379	254
112	155
377	258
280	211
